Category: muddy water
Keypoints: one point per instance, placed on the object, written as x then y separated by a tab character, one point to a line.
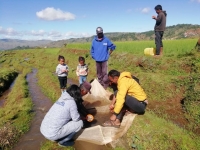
5	95
33	138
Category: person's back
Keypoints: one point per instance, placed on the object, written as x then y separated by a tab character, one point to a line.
62	111
128	85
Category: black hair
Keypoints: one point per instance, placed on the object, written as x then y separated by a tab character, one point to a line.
114	73
61	57
81	58
158	7
75	92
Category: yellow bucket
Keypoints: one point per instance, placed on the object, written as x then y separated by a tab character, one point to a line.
150	51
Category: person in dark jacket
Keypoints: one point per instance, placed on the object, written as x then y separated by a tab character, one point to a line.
159	28
101	50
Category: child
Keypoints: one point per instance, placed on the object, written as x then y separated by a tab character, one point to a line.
62	72
82	70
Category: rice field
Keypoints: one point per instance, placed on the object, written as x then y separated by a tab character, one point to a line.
171	47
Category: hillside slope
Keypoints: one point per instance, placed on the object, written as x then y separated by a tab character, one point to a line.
6	44
172	32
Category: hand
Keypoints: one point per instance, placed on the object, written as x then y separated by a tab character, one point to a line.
113	117
111	106
112	110
153	17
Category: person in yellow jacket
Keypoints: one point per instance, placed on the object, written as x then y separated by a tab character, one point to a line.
129	96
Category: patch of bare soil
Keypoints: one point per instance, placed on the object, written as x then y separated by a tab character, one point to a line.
171	109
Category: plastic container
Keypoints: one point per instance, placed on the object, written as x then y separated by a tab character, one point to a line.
150	51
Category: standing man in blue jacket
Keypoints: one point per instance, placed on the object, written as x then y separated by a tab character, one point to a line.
101	50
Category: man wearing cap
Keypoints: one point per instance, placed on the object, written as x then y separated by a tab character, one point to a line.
101	50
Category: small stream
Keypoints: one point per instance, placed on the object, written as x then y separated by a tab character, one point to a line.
33	139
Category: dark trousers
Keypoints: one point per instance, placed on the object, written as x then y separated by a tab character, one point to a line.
63	82
102	69
132	104
158	41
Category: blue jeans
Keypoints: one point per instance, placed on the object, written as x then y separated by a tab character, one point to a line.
82	79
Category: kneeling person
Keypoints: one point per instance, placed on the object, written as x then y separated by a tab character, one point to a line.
130	95
63	120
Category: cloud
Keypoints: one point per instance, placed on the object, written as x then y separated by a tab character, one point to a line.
39	34
145	10
8	31
55	34
77	35
51	13
198	1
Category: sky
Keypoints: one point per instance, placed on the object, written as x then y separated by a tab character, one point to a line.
64	19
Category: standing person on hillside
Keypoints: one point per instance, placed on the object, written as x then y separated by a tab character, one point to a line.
101	50
159	28
82	70
62	72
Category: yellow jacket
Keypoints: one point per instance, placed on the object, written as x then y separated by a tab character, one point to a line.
127	85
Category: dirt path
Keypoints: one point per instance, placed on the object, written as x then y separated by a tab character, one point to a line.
33	138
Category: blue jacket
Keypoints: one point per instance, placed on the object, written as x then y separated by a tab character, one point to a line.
100	49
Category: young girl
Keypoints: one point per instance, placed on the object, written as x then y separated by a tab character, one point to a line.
62	72
82	70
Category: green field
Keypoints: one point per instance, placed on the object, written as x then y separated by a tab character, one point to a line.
171	82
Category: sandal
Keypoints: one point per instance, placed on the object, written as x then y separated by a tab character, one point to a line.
110	123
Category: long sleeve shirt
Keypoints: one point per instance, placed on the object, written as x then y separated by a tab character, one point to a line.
60	70
82	70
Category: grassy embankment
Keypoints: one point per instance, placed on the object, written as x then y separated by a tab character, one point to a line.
168	81
16	114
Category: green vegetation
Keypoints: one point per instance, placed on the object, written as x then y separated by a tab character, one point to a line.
171	48
16	114
6	78
171	82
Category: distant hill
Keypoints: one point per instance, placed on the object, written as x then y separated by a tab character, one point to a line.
6	44
172	32
178	31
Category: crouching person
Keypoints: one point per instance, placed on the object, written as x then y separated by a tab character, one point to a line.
129	96
62	121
